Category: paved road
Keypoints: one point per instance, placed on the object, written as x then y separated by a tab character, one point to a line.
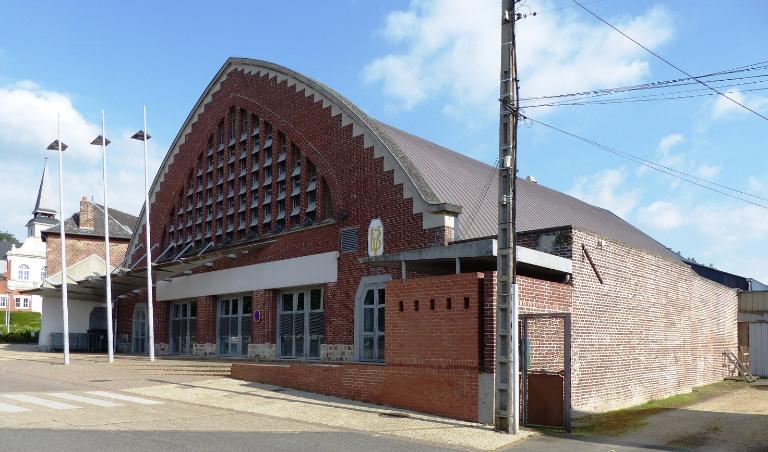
88	406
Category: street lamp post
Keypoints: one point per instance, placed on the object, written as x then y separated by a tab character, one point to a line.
103	142
61	147
144	136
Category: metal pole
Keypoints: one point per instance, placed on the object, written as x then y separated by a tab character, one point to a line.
507	403
149	248
108	261
64	308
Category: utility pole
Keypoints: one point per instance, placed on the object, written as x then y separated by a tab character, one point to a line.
507	396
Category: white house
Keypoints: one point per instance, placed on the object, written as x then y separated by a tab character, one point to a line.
26	264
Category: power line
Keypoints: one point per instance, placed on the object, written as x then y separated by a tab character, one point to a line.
669	62
681	175
656	86
647	98
566	7
486	187
664	83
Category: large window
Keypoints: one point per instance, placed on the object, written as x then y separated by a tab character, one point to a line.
301	324
234	325
372	344
183	327
23	272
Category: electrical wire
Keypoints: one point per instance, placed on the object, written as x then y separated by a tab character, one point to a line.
668	62
681	175
487	186
663	83
566	7
649	98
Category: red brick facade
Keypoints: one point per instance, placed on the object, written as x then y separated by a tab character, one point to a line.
432	352
357	183
653	329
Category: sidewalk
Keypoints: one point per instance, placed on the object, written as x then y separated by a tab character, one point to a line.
332	412
203	383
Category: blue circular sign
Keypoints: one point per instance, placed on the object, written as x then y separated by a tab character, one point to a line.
256	315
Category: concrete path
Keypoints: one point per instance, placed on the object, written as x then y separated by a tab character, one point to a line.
185	405
736	420
331	412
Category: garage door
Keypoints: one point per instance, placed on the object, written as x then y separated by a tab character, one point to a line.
758	349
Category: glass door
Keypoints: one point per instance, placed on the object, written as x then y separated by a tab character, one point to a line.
301	325
234	325
140	330
373	325
183	327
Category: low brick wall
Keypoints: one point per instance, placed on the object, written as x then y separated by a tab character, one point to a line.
445	392
432	353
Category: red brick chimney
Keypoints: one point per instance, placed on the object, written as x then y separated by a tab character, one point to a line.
86	214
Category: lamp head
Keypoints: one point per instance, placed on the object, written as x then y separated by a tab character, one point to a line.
140	135
55	146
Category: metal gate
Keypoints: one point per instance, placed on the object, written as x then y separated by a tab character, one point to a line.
758	348
545	351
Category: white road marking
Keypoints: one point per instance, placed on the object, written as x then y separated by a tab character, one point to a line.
82	399
126	398
42	402
5	408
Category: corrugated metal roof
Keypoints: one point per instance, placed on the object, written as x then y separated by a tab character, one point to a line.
458	179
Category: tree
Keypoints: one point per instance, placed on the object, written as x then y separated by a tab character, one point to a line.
6	236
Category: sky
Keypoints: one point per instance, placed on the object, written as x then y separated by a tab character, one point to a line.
427	66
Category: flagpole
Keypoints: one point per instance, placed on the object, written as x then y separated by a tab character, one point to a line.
108	261
64	307
149	248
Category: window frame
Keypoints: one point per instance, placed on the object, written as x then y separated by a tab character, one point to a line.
23	272
308	310
367	283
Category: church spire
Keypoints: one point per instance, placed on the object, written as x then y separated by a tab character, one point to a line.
44	207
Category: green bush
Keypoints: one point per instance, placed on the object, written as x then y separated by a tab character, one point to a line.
19	336
24	319
25	327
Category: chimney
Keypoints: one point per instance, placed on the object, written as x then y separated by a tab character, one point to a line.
86	214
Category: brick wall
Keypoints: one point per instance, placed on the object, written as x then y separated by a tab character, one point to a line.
358	185
439	324
80	247
652	330
432	354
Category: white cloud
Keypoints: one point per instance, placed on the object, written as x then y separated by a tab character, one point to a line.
758	184
450	49
707	171
670	141
28	124
730	226
661	215
723	108
604	189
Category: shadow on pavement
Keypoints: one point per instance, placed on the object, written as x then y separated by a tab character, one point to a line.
342	441
675	429
308	398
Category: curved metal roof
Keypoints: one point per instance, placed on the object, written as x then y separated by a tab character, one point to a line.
438	179
458	179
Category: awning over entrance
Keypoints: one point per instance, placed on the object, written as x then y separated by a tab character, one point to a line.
473	256
126	280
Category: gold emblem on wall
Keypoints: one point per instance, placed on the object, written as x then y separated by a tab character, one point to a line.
375	238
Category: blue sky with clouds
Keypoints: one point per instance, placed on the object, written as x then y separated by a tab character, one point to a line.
427	66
